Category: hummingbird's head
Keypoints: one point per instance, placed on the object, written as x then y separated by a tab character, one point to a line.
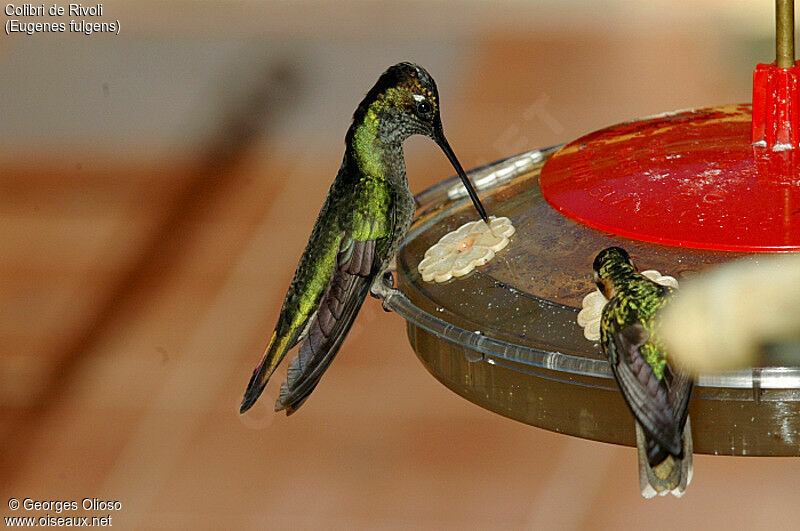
402	103
610	265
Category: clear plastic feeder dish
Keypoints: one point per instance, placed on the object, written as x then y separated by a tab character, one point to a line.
505	336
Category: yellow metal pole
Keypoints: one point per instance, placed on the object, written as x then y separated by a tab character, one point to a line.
784	33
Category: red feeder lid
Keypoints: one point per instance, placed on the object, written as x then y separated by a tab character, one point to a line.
687	179
721	178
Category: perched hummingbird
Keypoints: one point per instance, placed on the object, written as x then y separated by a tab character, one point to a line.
656	393
365	217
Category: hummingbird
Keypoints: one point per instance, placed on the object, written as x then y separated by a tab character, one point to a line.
363	221
655	391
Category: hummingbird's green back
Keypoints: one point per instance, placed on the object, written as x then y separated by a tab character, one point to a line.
638	301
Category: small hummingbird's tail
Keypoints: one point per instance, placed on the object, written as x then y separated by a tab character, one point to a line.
276	350
660	472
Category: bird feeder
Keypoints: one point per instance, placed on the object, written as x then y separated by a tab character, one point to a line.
681	191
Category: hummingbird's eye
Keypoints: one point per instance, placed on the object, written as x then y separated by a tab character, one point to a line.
424	108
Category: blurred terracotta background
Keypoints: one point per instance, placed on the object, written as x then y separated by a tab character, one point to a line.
157	189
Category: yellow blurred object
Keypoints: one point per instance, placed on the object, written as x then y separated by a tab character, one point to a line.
723	318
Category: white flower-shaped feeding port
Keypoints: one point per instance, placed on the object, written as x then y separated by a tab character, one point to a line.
594	302
459	252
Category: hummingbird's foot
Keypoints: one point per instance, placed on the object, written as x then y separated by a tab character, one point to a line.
388	283
382	287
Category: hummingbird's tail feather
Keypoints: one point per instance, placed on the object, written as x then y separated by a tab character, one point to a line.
661	472
274	353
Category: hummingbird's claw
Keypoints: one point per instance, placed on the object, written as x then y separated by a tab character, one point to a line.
382	288
388	283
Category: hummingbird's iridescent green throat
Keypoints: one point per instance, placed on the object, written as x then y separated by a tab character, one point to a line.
402	103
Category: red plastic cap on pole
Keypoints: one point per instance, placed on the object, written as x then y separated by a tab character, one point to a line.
776	117
775	89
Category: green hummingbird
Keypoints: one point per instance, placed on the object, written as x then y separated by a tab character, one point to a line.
363	221
655	391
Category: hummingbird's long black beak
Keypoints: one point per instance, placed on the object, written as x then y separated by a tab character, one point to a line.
439	138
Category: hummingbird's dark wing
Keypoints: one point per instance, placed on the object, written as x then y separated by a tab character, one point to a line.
357	265
650	399
345	251
679	390
362	255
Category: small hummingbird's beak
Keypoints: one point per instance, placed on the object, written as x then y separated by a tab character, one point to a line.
438	137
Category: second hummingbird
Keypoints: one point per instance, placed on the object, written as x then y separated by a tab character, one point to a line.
656	392
363	221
